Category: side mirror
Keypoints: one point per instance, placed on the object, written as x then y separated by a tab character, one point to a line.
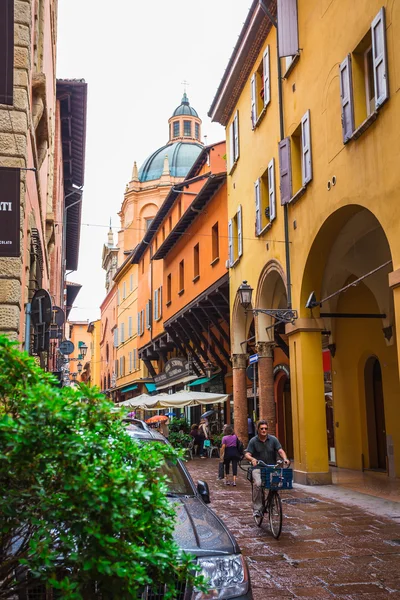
203	490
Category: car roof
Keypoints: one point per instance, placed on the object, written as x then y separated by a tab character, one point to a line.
138	432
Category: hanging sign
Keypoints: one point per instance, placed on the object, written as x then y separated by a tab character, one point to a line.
9	211
174	369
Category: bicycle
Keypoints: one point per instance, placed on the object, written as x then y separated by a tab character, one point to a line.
273	478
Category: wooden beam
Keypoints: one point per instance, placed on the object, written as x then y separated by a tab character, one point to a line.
215	340
217	309
150	367
178	338
216	324
202	339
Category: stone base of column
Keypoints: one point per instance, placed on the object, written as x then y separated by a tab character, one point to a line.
305	478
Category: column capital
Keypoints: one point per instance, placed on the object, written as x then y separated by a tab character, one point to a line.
305	325
265	349
239	361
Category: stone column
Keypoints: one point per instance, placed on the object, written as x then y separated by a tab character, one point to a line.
394	284
308	402
266	384
239	364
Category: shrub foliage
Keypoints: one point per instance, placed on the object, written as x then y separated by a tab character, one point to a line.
83	507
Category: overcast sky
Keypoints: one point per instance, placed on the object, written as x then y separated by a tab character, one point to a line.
134	55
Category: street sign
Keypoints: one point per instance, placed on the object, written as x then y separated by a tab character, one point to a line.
66	347
252	372
253	359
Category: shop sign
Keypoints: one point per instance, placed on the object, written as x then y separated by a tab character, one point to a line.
176	368
9	211
282	367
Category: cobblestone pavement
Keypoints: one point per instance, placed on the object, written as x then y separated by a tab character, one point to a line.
326	549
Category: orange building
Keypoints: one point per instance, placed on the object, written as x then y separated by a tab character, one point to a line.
183	288
79	360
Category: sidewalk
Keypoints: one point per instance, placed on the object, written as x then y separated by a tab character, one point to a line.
330	547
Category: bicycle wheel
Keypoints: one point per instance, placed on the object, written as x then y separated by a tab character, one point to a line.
258	518
274	507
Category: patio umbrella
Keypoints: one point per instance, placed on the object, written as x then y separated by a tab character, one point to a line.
157	419
207	414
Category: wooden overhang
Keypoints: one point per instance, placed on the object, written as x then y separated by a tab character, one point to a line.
241	63
72	94
207	192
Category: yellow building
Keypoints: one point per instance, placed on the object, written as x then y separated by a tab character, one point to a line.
314	214
94	329
80	358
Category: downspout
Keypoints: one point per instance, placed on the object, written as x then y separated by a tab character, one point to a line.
282	136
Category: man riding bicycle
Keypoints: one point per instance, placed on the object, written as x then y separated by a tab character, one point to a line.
267	448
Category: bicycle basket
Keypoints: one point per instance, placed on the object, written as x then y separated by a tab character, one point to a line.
274	479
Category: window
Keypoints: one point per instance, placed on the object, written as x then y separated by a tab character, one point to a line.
187	128
116	368
264	193
123	291
234	140
181	276
148	222
260	88
364	80
295	161
196	262
176	129
169	288
140	322
148	314
135	366
180	209
215	242
122	333
235	237
122	366
170	223
131	283
197	131
158	303
116	337
163	232
130	361
130	327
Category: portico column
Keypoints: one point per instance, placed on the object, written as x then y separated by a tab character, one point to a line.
394	284
311	465
239	363
266	384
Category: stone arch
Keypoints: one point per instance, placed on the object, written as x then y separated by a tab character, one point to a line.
271	293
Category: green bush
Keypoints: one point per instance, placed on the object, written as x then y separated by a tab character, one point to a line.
179	425
179	440
217	439
81	502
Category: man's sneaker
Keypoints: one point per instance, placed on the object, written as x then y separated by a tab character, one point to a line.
257	513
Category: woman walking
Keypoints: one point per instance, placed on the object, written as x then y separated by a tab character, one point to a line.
230	453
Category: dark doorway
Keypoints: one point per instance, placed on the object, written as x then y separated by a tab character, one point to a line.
375	414
284	414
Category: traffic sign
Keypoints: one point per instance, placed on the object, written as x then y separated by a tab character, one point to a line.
252	372
253	359
66	347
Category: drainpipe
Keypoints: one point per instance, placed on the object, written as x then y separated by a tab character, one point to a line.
28	327
282	136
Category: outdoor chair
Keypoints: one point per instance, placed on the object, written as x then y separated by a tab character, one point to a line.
211	450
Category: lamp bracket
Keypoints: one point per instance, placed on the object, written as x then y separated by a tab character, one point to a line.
283	315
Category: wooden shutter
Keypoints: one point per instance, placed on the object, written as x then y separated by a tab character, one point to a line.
138	323
122	333
160	302
306	159
236	129
230	242
285	170
134	359
130	362
253	100
379	57
116	367
116	337
258	206
6	51
271	189
156	305
288	32
267	79
240	231
231	145
346	96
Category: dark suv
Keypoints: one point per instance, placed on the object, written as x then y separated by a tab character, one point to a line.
199	531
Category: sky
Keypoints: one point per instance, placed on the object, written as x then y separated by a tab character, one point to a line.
134	56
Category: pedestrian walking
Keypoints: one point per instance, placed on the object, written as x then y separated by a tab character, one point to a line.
265	447
230	453
250	427
198	439
205	435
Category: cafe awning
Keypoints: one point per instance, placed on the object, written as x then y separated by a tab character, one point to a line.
177	400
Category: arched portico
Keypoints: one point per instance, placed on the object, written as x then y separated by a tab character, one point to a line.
347	268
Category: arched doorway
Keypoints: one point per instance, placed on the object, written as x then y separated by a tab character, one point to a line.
375	413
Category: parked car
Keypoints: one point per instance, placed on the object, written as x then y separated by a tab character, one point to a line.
200	532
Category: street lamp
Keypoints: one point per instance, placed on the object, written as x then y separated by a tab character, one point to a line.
281	315
209	368
74	375
79	366
245	292
83	350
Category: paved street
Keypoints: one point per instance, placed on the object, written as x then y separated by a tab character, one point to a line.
327	549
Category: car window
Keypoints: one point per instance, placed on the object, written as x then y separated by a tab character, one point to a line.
177	480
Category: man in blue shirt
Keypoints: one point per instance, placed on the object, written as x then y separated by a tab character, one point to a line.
267	448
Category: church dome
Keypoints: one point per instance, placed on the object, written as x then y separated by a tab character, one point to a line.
181	156
184	108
